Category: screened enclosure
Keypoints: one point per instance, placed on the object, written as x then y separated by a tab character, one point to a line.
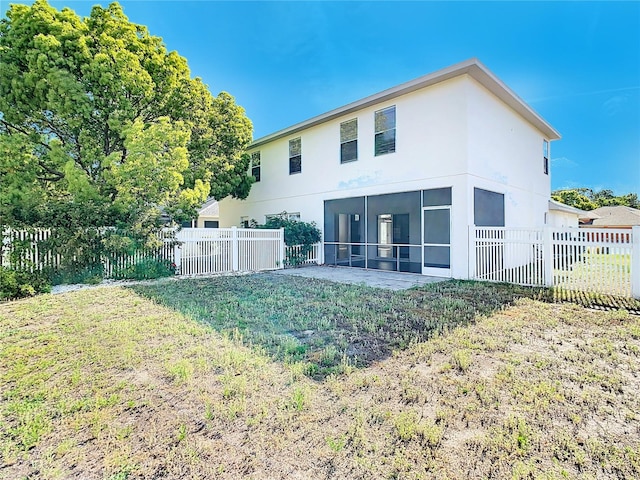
387	232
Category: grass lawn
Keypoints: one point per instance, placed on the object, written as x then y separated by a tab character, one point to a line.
598	271
268	376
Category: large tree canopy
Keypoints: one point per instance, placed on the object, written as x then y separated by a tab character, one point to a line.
588	199
101	126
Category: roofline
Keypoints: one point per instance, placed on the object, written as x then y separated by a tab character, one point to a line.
472	67
561	207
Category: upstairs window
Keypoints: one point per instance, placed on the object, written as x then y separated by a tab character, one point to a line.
255	165
349	141
295	156
385	126
545	156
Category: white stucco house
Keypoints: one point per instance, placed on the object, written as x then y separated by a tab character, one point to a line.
394	180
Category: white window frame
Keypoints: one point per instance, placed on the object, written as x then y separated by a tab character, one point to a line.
255	155
291	157
345	140
381	132
289	216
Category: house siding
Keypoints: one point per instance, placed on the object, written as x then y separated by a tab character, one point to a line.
451	134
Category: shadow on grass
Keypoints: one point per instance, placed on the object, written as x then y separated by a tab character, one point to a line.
329	327
597	301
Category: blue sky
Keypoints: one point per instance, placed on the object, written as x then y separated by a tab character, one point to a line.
576	63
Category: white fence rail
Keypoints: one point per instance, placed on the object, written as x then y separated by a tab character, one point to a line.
591	260
203	251
195	251
27	250
296	254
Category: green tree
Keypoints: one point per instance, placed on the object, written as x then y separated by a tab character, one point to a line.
573	198
101	126
588	199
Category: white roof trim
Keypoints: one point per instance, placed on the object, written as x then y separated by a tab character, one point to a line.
561	207
471	67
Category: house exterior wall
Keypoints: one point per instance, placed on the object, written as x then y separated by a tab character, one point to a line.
205	218
452	134
560	219
505	156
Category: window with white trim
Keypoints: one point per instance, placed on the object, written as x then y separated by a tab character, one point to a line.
349	141
385	131
295	156
255	165
285	215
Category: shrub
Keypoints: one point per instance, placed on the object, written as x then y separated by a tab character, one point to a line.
19	283
146	269
75	272
296	232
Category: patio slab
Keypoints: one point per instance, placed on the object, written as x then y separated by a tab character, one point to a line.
360	276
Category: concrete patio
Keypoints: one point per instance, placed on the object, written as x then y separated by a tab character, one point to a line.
360	276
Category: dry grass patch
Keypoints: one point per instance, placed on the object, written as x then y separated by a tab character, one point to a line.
107	384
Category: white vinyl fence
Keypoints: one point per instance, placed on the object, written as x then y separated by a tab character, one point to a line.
296	253
203	251
585	259
34	256
195	251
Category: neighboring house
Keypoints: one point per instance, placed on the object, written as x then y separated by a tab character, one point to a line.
396	179
208	215
617	216
561	215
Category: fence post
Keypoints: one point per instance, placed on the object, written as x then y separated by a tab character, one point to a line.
283	248
472	252
177	257
635	262
4	246
547	255
234	249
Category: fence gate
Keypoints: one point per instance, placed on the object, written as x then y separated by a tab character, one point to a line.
584	259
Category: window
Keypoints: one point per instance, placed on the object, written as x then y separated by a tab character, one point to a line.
385	126
436	197
488	208
393	229
349	141
295	156
244	222
255	165
545	156
211	224
283	215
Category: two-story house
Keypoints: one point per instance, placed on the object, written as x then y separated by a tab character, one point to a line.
395	180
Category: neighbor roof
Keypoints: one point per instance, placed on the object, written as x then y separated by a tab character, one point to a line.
210	208
471	67
617	216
